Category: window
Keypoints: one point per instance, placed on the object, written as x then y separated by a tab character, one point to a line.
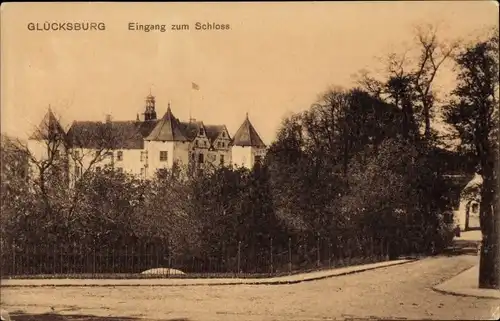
196	143
219	144
205	143
200	158
119	156
475	208
223	134
143	172
258	159
201	131
163	156
222	159
143	156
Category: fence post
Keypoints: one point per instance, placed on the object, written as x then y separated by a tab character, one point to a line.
382	249
272	268
349	252
93	263
13	259
54	259
239	256
132	261
61	259
126	258
290	255
371	248
169	256
329	254
317	250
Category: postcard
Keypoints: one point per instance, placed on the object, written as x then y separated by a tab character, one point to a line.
249	161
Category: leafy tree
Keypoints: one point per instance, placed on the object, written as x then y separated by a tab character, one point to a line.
473	112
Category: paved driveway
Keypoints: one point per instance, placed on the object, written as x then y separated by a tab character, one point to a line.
399	292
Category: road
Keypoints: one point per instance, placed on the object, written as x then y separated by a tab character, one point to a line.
398	292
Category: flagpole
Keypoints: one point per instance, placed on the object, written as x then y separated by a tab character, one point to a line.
190	102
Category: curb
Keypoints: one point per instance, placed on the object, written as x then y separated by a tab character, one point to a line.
460	293
463	295
277	282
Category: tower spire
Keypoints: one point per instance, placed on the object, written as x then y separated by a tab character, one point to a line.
150	112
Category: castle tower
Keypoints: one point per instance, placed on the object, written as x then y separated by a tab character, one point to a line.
150	112
248	148
166	144
49	129
48	143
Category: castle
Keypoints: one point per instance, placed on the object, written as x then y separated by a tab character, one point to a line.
143	146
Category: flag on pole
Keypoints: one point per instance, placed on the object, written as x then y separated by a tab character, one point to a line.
195	86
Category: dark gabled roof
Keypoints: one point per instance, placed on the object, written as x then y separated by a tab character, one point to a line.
115	134
168	128
246	135
49	128
191	129
213	131
146	127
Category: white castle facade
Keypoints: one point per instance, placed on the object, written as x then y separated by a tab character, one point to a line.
143	146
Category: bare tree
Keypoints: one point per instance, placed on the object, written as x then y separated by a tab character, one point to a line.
54	153
410	82
433	53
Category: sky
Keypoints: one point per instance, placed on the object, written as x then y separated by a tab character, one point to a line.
275	59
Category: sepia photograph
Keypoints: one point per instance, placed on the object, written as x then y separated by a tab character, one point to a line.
256	161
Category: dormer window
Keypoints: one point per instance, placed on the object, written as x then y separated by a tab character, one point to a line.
223	135
201	131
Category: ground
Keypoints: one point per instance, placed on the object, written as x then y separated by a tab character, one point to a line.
397	292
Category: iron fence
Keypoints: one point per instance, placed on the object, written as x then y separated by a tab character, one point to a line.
296	255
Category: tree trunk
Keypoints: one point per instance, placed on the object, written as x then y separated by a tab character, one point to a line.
427	119
467	216
489	267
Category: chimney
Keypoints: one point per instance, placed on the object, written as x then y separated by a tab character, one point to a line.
108	118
